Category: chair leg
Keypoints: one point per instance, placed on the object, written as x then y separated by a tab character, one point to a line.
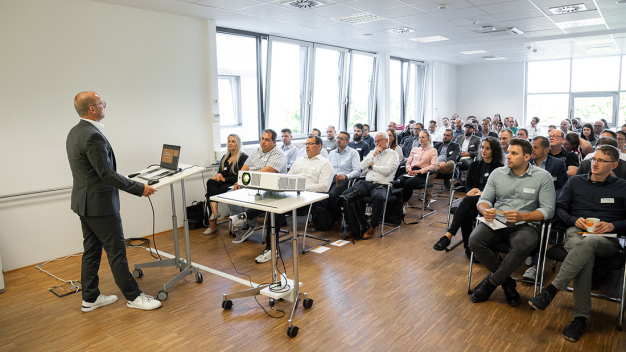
469	275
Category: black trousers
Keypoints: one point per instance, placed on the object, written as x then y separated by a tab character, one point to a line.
410	183
336	189
214	188
464	218
105	232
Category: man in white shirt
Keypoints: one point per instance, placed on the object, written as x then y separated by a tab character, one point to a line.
435	135
381	164
445	124
290	150
533	129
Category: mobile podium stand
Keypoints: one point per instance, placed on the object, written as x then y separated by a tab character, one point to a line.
274	203
185	266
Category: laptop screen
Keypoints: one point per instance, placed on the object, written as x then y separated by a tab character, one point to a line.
169	156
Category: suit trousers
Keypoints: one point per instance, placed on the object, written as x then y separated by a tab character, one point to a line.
578	265
336	189
105	232
522	240
378	193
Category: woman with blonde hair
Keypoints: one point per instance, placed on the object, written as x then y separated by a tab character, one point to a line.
226	176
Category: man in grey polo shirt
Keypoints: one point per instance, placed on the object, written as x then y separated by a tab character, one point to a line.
516	196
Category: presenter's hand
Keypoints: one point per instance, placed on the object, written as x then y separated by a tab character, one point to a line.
603	227
236	186
581	223
148	190
489	214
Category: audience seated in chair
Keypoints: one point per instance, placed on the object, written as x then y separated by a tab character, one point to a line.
598	195
448	153
413	141
519	196
556	150
421	160
492	157
346	166
225	177
381	164
357	143
619	171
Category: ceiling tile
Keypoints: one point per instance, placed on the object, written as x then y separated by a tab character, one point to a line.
461	13
395	12
518	15
511	6
370	5
334	10
267	10
233	5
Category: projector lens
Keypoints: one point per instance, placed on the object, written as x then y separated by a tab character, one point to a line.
245	178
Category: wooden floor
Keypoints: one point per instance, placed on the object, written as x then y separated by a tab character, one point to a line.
390	294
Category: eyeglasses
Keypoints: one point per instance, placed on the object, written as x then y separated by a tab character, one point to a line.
379	140
310	144
594	160
554	137
103	104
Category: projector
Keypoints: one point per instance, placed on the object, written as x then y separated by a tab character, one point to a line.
270	181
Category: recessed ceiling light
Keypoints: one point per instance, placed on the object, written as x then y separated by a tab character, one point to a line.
601	49
303	4
368	34
580	23
568	9
436	38
359	18
493	58
473	52
400	30
594	41
621	2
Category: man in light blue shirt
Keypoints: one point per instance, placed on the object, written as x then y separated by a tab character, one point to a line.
516	196
346	163
290	150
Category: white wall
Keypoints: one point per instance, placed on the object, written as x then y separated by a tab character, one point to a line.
441	98
483	90
151	68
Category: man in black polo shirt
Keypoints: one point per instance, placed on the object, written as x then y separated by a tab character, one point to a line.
357	142
556	150
598	195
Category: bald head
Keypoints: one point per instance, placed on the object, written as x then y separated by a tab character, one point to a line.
89	105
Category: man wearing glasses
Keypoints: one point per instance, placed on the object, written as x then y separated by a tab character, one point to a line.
557	151
413	141
381	164
330	143
346	164
598	195
95	198
598	127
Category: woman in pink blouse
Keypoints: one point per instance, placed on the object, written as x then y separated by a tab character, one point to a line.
421	160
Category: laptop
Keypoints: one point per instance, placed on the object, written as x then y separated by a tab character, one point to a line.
168	166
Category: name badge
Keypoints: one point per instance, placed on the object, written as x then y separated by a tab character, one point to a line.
486	174
607	200
554	178
529	190
450	153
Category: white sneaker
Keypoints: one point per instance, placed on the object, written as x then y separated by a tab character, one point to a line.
404	209
531	273
144	302
209	231
101	301
243	234
265	256
239	219
215	216
529	261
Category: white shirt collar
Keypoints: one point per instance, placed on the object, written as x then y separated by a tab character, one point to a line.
98	125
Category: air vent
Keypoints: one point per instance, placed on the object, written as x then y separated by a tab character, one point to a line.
470	52
359	18
568	9
303	4
580	23
400	30
493	58
436	38
493	31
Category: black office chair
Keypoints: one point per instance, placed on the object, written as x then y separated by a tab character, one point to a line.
614	263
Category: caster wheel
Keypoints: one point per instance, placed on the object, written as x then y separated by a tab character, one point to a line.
227	305
307	303
137	273
292	331
199	277
162	296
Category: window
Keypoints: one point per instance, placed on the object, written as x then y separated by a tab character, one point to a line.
238	86
395	91
595	74
550	108
328	91
548	76
362	89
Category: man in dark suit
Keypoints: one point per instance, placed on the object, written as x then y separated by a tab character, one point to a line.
543	159
470	146
448	153
95	198
413	141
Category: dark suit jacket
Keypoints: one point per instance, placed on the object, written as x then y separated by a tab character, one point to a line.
556	167
474	145
454	151
407	146
489	134
619	171
96	182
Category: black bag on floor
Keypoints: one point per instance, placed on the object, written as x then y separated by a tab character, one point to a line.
197	215
322	216
394	215
354	210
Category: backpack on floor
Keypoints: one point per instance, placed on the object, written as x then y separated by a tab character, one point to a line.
322	216
354	210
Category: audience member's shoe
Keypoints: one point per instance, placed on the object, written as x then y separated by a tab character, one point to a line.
468	253
101	301
404	206
368	211
530	273
348	234
243	234
542	300
426	205
510	293
215	216
209	231
369	233
483	291
442	244
265	256
574	330
144	302
239	219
